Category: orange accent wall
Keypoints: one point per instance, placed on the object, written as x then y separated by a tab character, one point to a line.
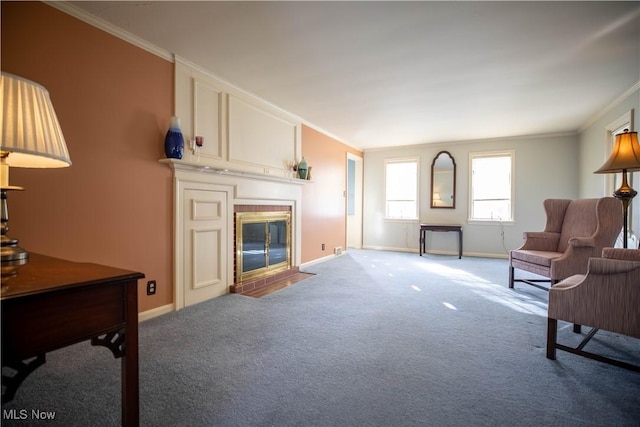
323	200
114	204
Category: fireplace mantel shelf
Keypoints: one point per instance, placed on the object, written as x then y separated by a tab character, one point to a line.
177	164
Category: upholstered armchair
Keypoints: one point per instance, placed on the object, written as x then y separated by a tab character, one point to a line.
576	230
607	297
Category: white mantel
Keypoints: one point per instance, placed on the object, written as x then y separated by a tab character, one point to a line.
194	166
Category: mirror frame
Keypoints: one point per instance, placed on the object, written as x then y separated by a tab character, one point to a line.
433	164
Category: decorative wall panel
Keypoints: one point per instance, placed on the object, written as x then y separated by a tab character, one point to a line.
242	133
204	230
207	119
203	210
205	266
259	138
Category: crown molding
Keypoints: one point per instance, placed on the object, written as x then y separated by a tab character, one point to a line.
475	141
609	107
100	23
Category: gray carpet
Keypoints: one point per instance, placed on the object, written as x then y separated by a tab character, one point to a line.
373	339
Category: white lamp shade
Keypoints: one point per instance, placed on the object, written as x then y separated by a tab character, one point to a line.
31	133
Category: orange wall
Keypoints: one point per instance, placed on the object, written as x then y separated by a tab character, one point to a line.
113	100
323	201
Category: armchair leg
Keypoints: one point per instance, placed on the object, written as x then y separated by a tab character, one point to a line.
577	328
510	277
552	332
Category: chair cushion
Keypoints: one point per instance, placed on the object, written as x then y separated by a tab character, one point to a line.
543	258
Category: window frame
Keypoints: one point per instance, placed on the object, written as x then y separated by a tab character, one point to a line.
410	159
484	154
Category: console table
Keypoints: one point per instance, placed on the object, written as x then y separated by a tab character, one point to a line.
50	303
440	228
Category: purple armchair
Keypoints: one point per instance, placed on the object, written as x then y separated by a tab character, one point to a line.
576	230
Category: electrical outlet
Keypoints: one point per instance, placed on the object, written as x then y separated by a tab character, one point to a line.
151	287
323	246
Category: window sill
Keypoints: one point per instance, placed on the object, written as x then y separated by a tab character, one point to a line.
489	222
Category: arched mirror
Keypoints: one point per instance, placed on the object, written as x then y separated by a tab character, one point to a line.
443	181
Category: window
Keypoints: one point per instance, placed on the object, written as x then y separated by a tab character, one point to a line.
491	186
401	189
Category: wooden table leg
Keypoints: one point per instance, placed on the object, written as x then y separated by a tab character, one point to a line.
130	387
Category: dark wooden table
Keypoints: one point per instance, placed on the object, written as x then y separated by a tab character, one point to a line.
440	228
51	303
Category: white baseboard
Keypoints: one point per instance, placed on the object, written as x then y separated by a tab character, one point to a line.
319	260
436	252
484	255
389	248
155	312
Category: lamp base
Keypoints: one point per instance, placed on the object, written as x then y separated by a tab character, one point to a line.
625	194
12	256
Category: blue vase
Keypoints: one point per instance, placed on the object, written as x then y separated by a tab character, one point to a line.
174	141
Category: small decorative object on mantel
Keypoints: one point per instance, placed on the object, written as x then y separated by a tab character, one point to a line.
309	173
196	143
174	141
292	168
302	168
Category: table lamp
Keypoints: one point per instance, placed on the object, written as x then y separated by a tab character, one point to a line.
625	157
31	138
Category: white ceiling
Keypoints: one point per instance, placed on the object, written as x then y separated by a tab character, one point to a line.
379	74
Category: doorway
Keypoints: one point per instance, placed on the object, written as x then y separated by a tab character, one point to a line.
353	204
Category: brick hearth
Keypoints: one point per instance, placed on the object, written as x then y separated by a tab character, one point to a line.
261	282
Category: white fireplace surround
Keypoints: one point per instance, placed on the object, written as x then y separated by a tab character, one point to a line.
244	160
204	199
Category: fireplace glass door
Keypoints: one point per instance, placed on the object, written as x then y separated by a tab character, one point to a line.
263	243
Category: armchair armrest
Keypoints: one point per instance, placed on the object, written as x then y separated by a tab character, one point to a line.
574	260
540	241
582	241
621	253
611	266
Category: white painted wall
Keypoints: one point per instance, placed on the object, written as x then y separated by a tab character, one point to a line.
545	167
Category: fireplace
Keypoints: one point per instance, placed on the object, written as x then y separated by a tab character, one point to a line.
207	200
262	246
263	243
